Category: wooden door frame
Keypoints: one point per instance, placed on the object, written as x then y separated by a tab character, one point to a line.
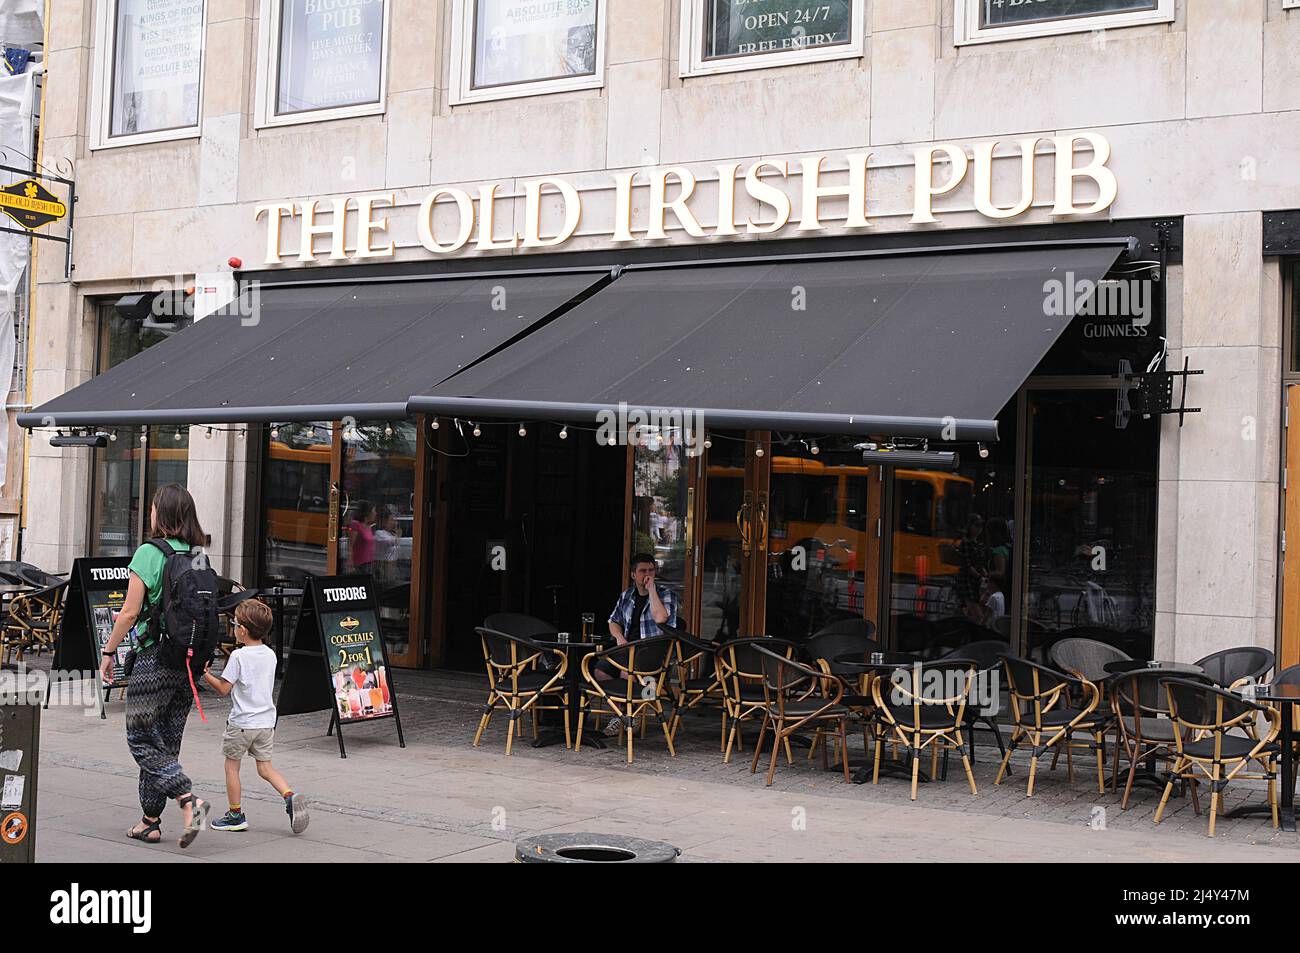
1288	634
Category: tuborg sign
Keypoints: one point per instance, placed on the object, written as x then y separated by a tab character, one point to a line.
937	170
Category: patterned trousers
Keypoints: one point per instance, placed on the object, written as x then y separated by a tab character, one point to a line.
157	705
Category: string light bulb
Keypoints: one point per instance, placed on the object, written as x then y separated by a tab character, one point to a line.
113	436
758	451
564	432
178	434
984	452
207	435
435	423
388	430
144	438
523	431
814	449
275	433
708	444
478	431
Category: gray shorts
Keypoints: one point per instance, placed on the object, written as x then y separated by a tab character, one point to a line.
237	742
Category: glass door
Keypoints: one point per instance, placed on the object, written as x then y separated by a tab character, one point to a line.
821	549
733	517
1091	513
377	518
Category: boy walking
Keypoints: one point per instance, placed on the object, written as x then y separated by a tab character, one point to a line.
249	678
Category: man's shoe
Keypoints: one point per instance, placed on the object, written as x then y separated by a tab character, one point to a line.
295	805
614	727
231	821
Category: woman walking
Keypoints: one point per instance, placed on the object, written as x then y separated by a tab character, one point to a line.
157	696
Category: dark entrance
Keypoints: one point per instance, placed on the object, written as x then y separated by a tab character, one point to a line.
534	524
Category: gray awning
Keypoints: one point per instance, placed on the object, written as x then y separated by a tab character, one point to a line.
895	343
318	352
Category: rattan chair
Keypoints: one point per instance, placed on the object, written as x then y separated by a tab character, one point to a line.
515	681
1231	667
1145	732
987	656
1086	657
639	689
740	672
696	682
926	709
1041	713
1205	716
33	621
797	697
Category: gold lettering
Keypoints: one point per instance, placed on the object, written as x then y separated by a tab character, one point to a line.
623	207
487	203
925	190
367	226
1066	173
727	199
275	213
984	180
424	221
659	205
533	212
813	190
337	230
767	195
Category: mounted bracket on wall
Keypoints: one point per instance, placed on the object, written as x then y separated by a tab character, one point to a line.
1151	393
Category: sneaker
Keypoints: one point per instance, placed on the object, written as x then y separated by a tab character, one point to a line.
295	805
614	727
231	821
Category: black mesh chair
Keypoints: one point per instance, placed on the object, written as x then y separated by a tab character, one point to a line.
740	672
639	689
825	648
515	681
797	697
520	625
1291	676
1086	657
987	658
1206	750
1145	731
926	709
1232	666
1042	714
697	682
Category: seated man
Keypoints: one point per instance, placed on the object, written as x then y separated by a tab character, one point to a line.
640	610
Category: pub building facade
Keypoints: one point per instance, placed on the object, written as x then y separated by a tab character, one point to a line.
859	309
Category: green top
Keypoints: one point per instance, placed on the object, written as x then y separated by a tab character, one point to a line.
148	563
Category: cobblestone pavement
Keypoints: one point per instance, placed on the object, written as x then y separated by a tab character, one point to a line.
442	799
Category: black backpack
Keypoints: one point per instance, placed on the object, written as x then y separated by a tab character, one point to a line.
184	622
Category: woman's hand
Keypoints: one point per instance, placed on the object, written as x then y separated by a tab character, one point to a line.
106	669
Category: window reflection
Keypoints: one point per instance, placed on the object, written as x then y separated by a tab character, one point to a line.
662	491
295	501
377	520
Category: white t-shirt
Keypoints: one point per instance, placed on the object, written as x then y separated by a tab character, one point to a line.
251	670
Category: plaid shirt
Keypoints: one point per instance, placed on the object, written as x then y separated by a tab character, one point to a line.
626	605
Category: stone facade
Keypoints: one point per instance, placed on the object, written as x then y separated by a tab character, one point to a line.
1203	115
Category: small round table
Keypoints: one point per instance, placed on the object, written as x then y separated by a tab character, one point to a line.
879	665
1124	666
574	652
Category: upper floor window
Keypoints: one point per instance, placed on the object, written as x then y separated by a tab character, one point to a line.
984	21
321	59
725	35
504	48
148	71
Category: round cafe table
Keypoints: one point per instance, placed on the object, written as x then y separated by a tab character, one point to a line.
877	665
575	652
1124	666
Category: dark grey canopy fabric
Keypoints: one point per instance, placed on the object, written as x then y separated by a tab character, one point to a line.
936	334
317	352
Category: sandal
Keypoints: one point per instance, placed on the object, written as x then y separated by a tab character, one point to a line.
150	827
198	817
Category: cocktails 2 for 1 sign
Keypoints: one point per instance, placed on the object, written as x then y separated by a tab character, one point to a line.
356	664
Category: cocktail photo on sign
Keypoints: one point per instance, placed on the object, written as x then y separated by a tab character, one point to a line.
356	664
